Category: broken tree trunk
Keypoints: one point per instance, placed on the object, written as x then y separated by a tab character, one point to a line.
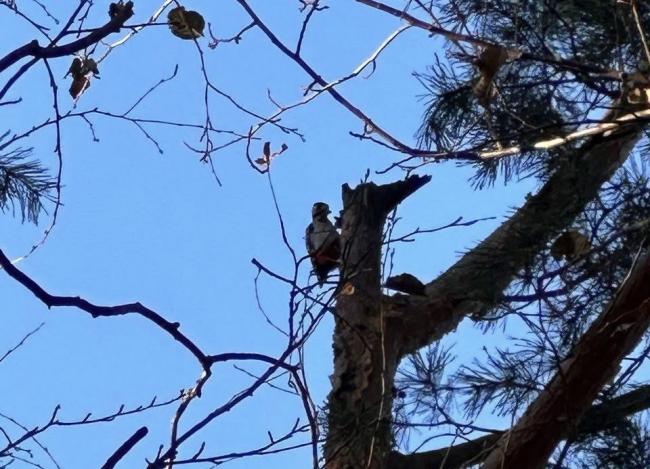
365	345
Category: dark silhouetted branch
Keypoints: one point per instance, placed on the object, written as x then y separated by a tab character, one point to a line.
34	49
172	328
125	448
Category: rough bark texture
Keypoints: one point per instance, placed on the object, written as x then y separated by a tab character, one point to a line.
365	348
474	284
593	363
600	417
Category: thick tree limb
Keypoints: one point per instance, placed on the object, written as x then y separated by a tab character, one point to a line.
600	417
35	50
476	282
591	365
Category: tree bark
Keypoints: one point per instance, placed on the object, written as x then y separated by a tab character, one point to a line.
365	347
591	365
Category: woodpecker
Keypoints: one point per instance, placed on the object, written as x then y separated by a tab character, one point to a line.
323	242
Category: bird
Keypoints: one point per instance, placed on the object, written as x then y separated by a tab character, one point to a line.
323	242
185	24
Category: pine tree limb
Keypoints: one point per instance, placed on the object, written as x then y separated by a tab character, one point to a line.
474	284
592	364
600	417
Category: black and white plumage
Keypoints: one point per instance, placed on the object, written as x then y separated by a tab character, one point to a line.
323	242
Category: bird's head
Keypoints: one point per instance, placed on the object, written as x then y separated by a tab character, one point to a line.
320	210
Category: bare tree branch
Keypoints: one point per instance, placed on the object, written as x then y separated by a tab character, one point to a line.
35	50
172	328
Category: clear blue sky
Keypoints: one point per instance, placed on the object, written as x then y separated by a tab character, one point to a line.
140	226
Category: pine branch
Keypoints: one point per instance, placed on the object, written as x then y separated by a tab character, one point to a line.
592	364
24	185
